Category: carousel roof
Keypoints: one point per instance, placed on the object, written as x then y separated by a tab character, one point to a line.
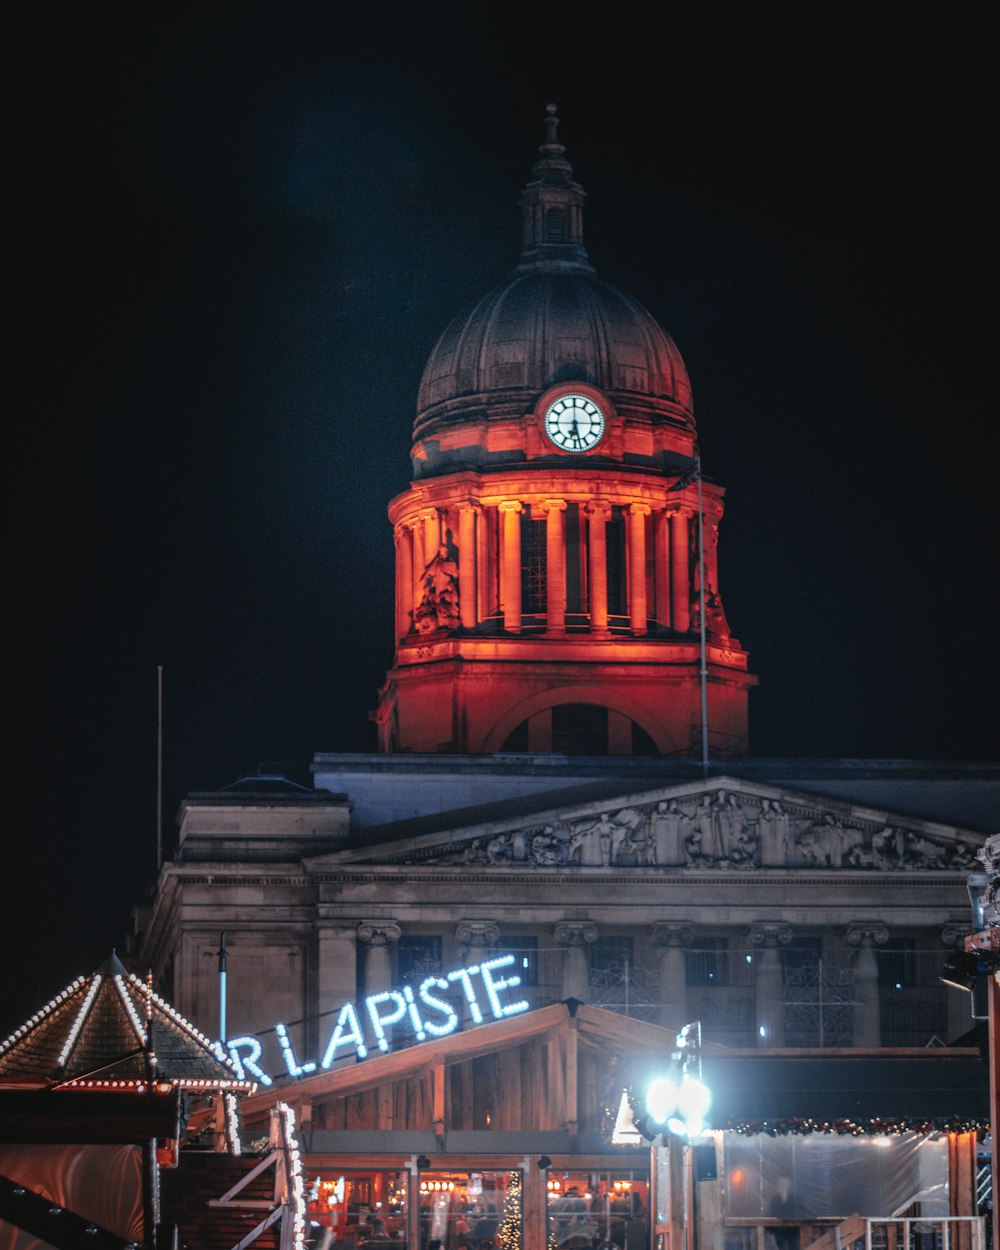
94	1035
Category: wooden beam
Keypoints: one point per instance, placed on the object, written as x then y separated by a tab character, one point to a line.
570	1103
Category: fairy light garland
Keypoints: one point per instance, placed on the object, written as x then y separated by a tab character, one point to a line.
511	1220
41	1015
134	1018
296	1184
846	1127
81	1016
232	1124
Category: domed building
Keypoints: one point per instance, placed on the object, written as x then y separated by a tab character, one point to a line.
556	572
463	959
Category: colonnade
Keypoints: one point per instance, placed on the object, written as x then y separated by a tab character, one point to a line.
671	940
483	542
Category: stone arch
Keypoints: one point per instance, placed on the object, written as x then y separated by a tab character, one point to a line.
544	700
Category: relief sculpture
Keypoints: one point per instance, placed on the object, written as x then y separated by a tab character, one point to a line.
720	830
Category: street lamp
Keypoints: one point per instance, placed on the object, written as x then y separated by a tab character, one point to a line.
676	1107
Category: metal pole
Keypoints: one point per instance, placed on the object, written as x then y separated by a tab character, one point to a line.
159	766
701	619
223	953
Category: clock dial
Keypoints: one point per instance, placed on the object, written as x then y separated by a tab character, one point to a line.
574	423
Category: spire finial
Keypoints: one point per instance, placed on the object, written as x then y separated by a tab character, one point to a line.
552	210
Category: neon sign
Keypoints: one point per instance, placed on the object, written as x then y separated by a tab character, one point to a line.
422	1011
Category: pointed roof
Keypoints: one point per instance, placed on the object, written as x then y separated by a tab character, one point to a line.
93	1034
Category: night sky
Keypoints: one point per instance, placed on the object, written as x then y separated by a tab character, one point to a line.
238	233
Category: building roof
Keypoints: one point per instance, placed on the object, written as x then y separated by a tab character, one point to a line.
94	1035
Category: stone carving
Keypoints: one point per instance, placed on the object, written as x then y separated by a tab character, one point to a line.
481	934
718	830
721	837
438	609
617	839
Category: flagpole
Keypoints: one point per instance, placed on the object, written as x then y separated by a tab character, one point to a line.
159	766
703	675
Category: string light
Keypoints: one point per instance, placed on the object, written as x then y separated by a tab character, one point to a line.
511	1220
81	1015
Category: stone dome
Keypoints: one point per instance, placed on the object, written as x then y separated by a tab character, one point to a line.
552	321
544	327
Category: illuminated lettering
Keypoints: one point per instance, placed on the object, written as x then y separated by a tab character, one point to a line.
348	1029
294	1068
248	1062
426	1010
418	1025
438	1004
465	975
494	986
379	1021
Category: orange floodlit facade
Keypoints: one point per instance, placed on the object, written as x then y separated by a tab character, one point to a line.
558	546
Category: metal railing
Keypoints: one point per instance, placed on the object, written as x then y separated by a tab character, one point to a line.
952	1232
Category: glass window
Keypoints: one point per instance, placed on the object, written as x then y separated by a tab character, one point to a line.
470	1211
348	1210
418	957
707	962
598	1209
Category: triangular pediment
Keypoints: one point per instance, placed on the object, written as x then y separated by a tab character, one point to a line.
725	824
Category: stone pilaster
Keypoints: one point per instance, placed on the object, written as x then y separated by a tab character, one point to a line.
671	938
576	936
867	1022
767	937
377	937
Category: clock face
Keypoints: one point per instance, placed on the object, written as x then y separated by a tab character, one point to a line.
574	423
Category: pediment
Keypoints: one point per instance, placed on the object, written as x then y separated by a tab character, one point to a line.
720	825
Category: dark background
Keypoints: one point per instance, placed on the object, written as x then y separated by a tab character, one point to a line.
238	231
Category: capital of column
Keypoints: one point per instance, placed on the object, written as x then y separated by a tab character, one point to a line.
671	933
428	514
399	531
598	509
867	935
953	935
770	933
510	505
469	506
576	932
478	933
379	932
551	505
639	509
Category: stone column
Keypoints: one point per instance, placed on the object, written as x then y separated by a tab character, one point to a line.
680	572
670	939
576	936
476	937
638	608
377	937
419	563
661	557
403	537
432	533
767	937
867	1022
511	510
468	595
555	565
337	960
959	1005
598	514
